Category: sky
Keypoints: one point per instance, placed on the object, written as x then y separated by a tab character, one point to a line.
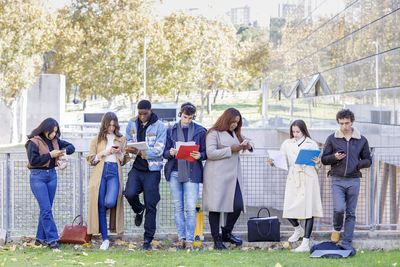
260	10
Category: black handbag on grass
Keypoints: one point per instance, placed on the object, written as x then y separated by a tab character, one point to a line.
263	228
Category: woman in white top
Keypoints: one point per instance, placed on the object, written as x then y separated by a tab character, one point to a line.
302	194
107	155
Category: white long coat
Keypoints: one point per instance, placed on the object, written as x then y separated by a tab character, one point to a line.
302	194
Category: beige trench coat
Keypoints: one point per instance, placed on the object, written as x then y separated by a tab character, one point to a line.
116	213
221	172
302	193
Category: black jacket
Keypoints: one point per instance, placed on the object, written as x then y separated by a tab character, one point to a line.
357	151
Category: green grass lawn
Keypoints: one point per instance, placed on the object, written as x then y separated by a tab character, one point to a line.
124	255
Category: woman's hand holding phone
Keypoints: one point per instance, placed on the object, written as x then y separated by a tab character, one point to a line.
114	149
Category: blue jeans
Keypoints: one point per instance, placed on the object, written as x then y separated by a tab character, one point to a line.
180	192
108	194
43	185
345	195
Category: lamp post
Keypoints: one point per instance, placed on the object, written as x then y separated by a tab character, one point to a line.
265	97
144	66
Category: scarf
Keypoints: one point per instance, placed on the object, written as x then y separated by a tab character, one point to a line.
184	165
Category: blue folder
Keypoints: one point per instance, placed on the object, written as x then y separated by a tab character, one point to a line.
306	155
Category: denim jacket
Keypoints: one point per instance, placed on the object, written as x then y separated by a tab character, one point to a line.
196	167
155	138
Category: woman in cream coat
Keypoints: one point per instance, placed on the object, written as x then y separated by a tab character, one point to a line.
302	194
223	187
107	155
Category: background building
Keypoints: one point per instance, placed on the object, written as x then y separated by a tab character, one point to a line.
339	54
240	15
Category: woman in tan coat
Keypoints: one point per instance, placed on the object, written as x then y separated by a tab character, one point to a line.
302	194
222	180
107	155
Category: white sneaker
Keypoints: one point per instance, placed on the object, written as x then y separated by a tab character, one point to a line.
304	247
105	244
298	232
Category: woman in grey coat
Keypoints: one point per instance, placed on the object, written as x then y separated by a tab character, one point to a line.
222	179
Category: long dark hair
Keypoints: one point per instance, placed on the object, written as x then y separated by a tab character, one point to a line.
302	126
225	120
105	122
46	126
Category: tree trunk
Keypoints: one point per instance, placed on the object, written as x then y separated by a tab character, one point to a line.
13	130
223	92
177	96
203	98
208	103
215	96
109	102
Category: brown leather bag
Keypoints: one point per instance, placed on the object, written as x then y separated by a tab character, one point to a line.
75	234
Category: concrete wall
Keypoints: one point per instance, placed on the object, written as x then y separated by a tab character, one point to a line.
46	99
6	123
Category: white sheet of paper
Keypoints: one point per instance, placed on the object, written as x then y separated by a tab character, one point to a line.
179	144
278	158
139	145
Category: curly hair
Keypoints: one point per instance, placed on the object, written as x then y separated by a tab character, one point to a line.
345	114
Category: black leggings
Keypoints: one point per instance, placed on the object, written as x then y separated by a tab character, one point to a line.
308	226
231	218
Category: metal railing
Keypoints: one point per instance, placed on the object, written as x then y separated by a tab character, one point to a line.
378	203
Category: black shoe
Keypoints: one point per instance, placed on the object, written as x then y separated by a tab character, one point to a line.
39	242
218	243
54	245
147	245
227	236
139	218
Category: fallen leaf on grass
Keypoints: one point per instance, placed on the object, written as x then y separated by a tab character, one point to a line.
85	254
286	245
109	261
81	263
394	264
13	259
156	243
96	263
278	264
13	247
131	245
119	242
87	245
55	264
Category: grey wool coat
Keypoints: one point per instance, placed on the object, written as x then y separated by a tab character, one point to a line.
221	172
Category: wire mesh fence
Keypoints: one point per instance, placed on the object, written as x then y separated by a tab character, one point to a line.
378	203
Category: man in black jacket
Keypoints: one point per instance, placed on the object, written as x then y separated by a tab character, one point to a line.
347	151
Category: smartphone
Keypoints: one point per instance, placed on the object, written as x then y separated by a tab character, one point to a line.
115	147
341	151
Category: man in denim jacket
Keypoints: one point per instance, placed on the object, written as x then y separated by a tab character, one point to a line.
347	151
146	169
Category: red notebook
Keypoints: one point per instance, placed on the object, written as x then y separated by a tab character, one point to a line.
184	152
